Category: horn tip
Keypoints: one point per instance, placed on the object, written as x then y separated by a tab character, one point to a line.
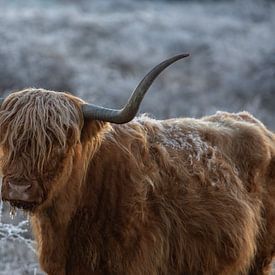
185	55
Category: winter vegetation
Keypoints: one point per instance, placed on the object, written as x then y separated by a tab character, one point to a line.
100	50
17	249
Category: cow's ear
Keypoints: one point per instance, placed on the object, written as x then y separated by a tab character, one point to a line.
91	128
73	135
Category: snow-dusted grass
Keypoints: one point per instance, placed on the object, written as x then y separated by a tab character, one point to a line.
101	49
17	249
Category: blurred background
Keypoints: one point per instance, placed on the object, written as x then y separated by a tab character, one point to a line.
100	50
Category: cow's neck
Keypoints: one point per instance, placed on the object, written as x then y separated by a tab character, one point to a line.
51	223
108	194
89	200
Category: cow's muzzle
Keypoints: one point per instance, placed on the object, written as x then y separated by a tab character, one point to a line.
22	195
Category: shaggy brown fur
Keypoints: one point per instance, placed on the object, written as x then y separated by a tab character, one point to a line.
179	196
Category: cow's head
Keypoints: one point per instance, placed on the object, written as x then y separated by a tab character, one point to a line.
39	130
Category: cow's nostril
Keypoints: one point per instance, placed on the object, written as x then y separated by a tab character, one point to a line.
19	188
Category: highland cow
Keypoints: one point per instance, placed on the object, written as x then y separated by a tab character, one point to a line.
112	194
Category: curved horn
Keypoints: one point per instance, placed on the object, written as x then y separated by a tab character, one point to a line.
128	112
1	100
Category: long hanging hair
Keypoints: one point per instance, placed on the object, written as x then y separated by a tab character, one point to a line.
34	122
